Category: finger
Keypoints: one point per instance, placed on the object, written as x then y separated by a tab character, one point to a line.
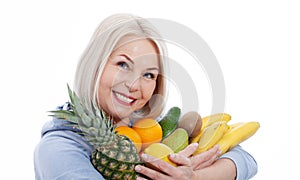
148	172
181	160
140	178
206	158
206	163
159	165
189	150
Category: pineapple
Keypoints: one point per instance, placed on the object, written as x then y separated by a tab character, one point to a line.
114	156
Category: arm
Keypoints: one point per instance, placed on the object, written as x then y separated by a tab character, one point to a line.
246	166
222	169
60	156
187	165
235	164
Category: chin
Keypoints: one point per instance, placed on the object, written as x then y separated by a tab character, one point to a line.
122	114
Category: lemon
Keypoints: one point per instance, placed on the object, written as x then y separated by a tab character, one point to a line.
160	151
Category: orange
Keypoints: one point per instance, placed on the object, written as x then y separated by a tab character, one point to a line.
131	134
149	130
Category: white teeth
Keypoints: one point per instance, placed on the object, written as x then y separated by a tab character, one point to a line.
123	98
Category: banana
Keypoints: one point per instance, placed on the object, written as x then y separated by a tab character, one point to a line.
236	134
196	138
211	135
232	126
209	120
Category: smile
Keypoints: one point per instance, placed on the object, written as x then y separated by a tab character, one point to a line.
123	98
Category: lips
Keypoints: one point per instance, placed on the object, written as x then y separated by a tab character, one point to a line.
123	99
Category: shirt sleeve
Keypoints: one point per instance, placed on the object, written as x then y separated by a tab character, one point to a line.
246	166
61	157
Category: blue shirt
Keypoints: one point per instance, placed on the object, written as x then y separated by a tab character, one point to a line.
64	154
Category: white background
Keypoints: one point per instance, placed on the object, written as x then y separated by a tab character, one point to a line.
256	43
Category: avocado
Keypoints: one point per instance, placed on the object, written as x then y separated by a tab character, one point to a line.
170	121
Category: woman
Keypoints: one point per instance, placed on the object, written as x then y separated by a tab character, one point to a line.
122	72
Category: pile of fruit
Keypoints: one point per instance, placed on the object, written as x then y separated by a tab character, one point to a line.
174	132
116	150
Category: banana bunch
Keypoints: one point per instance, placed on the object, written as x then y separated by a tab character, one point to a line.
216	130
181	130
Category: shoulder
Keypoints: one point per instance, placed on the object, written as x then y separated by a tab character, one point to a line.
60	141
63	154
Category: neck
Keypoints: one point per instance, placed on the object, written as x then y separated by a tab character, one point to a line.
123	122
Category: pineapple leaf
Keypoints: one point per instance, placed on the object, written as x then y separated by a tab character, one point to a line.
80	109
96	111
64	114
93	123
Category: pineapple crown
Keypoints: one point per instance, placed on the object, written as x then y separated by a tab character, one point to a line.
95	125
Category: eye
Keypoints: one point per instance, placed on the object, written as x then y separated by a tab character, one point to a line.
149	76
123	65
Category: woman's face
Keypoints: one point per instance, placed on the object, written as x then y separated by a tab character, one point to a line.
129	77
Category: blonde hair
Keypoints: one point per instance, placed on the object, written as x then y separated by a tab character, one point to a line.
100	47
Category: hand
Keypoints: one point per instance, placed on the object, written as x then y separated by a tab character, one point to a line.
199	161
204	159
185	161
166	170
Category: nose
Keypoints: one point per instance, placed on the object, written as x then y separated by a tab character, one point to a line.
132	82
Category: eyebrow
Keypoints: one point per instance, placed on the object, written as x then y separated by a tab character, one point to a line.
128	58
153	68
